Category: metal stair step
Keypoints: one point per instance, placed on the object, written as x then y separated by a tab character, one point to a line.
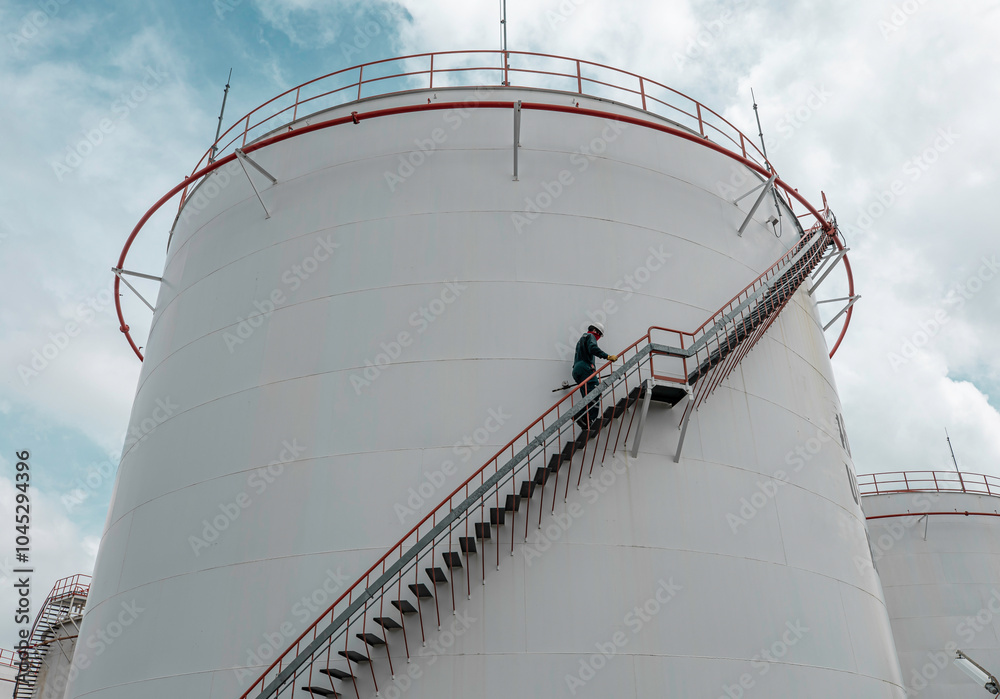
497	516
571	447
388	623
527	488
452	560
338	674
467	544
321	691
419	590
541	475
354	656
404	606
555	461
371	639
581	438
437	575
483	531
513	502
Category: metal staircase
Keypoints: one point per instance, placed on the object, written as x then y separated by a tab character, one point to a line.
340	651
64	603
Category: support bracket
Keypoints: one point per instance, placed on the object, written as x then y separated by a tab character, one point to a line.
517	134
120	272
649	383
688	409
826	267
244	159
763	193
851	300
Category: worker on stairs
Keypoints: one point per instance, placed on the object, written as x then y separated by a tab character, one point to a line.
583	366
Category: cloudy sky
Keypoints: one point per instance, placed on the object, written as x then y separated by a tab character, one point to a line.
889	107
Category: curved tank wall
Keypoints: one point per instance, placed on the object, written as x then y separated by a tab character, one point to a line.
941	577
316	380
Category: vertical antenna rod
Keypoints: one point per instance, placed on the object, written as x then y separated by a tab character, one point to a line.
763	148
503	25
953	459
218	129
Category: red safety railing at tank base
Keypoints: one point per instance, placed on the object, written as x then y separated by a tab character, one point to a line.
65	599
824	219
928	482
8	658
722	337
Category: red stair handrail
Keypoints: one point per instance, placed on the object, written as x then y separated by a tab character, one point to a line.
364	581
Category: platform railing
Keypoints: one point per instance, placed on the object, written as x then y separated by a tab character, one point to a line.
477	68
928	482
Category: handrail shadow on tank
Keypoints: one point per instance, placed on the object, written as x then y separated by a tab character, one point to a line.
715	348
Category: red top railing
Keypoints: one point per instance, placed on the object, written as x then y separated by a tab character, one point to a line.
697	122
475	69
928	482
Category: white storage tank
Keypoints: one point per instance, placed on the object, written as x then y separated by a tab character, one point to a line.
332	355
935	538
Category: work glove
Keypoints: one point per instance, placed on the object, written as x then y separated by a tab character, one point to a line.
613	357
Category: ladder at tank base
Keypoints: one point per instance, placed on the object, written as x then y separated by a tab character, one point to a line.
65	602
346	650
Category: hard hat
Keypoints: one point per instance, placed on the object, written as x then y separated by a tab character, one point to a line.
599	327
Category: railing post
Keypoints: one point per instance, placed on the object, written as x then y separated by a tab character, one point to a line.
246	128
432	72
701	124
579	78
361	73
960	481
642	91
295	112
